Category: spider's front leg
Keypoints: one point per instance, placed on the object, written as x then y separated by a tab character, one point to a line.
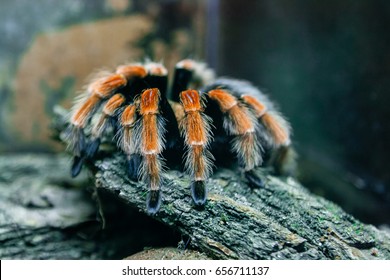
97	92
156	78
107	118
240	122
195	127
149	132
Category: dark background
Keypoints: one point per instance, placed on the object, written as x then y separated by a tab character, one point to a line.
327	63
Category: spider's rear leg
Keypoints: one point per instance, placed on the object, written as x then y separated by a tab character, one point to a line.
241	123
282	154
181	79
189	74
150	135
195	127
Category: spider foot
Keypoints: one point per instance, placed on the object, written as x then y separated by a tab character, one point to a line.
254	178
199	193
77	164
153	201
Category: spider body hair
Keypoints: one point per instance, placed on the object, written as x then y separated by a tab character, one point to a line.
149	132
274	131
196	130
241	124
99	90
197	119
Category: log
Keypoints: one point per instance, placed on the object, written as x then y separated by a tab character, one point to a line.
282	220
46	215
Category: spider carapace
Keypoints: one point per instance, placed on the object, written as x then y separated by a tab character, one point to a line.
197	122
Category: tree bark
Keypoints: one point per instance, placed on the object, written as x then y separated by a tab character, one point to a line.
280	221
43	215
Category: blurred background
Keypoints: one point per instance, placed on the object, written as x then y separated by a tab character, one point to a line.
326	63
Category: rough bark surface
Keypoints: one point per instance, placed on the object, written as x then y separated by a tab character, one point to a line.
45	215
280	221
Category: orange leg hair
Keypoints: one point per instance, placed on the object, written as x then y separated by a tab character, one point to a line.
99	90
102	88
272	121
195	127
241	123
283	158
149	134
127	121
113	104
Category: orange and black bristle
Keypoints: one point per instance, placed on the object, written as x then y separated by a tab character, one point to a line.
98	91
108	118
240	123
224	122
182	78
173	141
127	120
150	134
273	130
195	128
280	153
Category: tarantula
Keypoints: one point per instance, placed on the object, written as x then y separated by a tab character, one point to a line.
207	121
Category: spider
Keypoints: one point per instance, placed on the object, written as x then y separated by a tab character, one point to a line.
207	121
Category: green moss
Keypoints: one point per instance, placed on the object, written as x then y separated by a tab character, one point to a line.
169	209
357	228
224	218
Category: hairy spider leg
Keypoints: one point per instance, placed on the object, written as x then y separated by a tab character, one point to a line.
98	91
182	77
129	93
187	72
107	118
149	132
280	131
158	78
241	123
195	128
101	89
190	74
126	139
272	121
